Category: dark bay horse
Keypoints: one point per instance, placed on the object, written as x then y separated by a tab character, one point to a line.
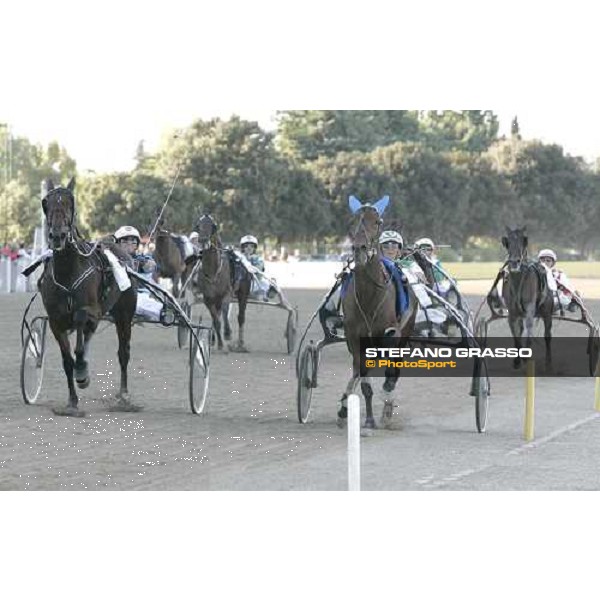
77	291
216	279
526	294
169	260
369	306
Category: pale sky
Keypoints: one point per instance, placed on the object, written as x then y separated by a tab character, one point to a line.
100	76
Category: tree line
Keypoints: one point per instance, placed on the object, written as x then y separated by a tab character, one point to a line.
449	175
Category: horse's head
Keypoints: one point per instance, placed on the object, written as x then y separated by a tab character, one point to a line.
207	231
515	241
366	227
59	208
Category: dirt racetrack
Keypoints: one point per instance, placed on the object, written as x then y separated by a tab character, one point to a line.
249	437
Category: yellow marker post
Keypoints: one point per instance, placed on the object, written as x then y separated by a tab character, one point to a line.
530	401
597	402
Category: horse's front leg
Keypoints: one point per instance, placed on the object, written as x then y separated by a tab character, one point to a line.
62	337
124	335
392	375
242	305
84	335
516	328
215	313
342	413
226	321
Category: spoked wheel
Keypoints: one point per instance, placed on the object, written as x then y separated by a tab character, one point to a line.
199	370
594	351
182	329
32	361
481	391
290	332
480	387
307	381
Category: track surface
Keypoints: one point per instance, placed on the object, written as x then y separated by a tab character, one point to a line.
249	438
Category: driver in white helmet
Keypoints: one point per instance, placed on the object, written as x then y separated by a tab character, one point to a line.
558	282
128	238
249	246
262	286
441	283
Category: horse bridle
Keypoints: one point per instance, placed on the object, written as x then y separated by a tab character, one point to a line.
212	244
59	190
372	242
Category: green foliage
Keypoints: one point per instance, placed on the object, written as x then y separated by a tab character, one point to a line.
448	175
23	170
310	134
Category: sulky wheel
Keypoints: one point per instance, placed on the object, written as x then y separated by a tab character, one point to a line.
290	331
183	331
480	389
307	381
199	369
32	361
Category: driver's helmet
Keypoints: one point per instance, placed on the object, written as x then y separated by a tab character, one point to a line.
127	231
194	236
248	239
547	253
391	236
425	244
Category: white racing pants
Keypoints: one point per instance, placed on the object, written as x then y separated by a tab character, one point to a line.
563	298
148	307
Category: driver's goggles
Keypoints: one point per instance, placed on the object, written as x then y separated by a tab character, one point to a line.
128	240
547	260
390	245
426	248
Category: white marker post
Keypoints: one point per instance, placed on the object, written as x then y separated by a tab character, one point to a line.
353	443
530	401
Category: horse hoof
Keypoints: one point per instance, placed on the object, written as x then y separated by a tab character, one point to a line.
370	424
83	383
227	337
238	348
124	404
386	417
68	411
341	422
125	407
367	432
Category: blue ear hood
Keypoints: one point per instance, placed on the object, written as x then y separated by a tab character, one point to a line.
381	205
355	204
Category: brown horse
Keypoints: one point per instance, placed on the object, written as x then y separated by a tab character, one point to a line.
77	291
216	280
169	260
369	306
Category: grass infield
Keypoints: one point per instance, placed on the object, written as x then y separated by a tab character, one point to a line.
489	270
